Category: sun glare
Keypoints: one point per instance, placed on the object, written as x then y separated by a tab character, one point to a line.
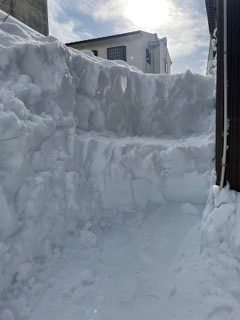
147	15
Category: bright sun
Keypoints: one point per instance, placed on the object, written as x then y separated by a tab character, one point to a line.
149	14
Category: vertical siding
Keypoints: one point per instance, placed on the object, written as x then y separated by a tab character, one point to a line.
219	97
233	169
163	57
157	57
233	153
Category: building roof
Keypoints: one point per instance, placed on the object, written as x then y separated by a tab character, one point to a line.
106	38
211	6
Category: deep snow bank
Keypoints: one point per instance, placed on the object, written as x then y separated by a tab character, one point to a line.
49	78
221	238
55	175
207	282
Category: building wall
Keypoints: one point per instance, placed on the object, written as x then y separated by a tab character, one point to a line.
136	46
161	58
165	60
33	13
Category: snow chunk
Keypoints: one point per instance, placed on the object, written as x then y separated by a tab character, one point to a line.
3	248
7	315
24	271
88	226
222	196
88	239
220	241
7	218
86	277
190	208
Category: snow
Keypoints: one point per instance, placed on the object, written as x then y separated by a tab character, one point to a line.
7	315
221	238
88	239
207	278
103	173
189	208
126	276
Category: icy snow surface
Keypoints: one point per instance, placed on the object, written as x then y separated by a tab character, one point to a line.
103	172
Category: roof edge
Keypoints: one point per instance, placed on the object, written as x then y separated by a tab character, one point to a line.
105	38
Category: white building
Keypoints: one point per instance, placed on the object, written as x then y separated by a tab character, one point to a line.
140	49
211	6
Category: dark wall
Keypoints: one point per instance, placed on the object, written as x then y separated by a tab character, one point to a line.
33	13
220	93
233	52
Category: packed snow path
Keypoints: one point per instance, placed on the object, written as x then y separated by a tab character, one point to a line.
127	276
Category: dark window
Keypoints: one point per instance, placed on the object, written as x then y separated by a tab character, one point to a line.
148	56
117	53
166	66
95	52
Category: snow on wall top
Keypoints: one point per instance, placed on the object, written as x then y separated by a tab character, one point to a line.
103	95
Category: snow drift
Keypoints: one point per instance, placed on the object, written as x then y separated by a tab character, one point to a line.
207	269
82	137
221	239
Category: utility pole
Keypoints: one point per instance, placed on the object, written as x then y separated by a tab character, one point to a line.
228	94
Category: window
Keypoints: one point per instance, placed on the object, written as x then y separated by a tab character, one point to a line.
95	52
148	56
117	53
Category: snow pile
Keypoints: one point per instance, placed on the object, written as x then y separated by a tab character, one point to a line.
207	282
102	96
81	136
221	238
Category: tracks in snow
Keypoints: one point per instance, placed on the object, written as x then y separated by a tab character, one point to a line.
128	276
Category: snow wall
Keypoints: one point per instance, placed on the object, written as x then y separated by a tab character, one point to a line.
221	239
82	137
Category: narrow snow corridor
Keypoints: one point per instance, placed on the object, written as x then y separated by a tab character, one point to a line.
105	172
127	276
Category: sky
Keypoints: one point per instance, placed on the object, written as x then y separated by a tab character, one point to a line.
183	22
